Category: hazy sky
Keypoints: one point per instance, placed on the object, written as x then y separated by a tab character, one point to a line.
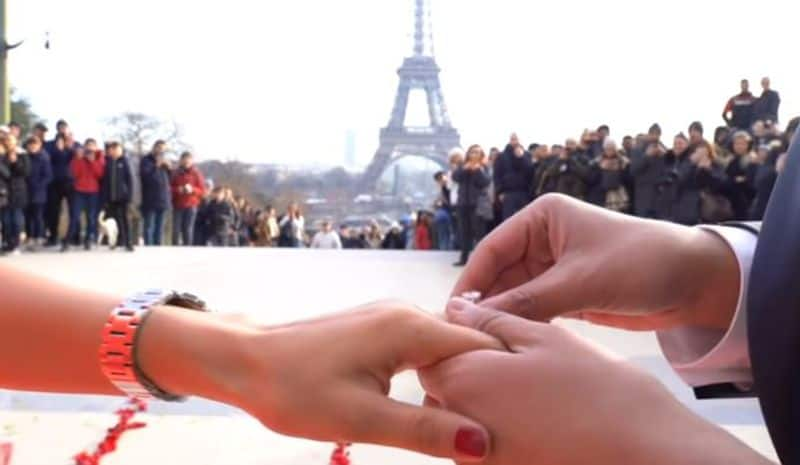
283	81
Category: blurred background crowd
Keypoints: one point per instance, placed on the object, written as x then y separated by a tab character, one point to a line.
61	193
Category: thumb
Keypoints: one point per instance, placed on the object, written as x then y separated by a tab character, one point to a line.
426	430
515	332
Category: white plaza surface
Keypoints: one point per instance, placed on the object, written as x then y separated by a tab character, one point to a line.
275	286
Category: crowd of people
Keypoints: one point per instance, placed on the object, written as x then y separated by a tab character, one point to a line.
687	179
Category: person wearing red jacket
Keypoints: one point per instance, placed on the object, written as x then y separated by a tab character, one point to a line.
87	168
422	233
188	188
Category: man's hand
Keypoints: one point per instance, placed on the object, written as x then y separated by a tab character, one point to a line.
556	399
325	379
560	256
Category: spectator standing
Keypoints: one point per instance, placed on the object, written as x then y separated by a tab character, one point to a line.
740	174
220	217
87	168
699	181
721	142
394	239
422	232
39	131
473	183
442	227
443	181
292	227
374	236
766	174
188	189
61	187
116	192
154	172
609	179
513	177
566	174
350	238
768	104
647	169
696	135
739	111
18	168
326	238
41	173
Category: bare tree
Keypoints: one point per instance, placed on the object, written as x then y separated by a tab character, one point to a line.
138	131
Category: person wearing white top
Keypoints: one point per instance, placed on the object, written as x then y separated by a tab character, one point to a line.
327	238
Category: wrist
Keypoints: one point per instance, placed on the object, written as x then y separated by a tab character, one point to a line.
697	442
718	279
189	353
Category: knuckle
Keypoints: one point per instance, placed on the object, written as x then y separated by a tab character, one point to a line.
424	430
490	323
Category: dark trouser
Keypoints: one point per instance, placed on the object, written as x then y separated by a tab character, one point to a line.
183	226
83	203
119	211
513	202
153	226
221	239
35	220
13	223
58	190
470	230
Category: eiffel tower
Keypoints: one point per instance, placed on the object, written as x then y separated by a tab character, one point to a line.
397	140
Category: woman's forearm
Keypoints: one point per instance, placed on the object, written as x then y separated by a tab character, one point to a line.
50	335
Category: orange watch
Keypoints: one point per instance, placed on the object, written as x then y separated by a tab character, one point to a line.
118	349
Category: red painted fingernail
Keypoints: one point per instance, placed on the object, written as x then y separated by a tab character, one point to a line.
471	442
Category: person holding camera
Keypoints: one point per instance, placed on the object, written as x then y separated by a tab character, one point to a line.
154	171
473	184
88	167
188	189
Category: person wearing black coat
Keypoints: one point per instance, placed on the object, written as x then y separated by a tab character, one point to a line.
647	169
394	239
221	217
565	174
61	188
766	175
41	174
609	179
768	104
16	168
154	173
473	182
739	173
116	192
696	173
513	178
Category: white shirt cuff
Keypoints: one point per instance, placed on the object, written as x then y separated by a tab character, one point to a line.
703	356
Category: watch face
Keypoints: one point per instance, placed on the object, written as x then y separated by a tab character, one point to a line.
186	300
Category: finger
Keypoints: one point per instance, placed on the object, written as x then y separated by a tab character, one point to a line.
428	340
427	430
516	333
504	247
558	290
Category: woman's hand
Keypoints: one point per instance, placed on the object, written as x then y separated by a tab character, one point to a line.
556	399
560	256
326	379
